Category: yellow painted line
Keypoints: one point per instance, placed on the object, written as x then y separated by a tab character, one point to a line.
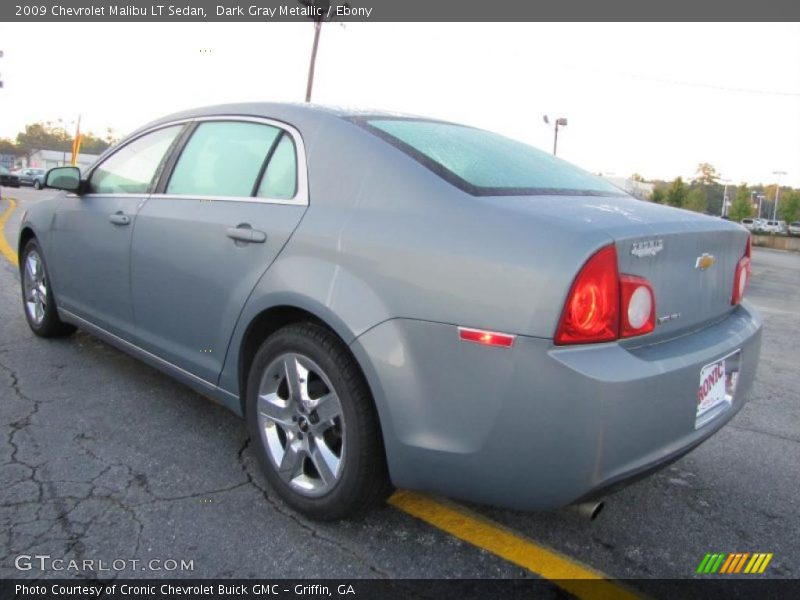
5	249
570	575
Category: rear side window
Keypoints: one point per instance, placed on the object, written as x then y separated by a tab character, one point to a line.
223	158
484	163
132	168
280	176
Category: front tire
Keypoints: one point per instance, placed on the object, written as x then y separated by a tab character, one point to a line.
314	426
37	294
37	185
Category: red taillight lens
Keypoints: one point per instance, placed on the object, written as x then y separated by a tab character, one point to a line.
638	306
741	277
591	313
741	280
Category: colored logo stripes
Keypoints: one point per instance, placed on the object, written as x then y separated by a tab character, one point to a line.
736	562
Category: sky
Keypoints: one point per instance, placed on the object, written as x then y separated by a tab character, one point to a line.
653	99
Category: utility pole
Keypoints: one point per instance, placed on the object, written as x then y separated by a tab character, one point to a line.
313	64
1	80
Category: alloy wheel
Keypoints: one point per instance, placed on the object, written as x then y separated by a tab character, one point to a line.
35	286
301	423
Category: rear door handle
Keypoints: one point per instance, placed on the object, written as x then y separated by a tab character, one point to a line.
245	233
119	218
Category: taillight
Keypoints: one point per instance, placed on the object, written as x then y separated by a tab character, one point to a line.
591	313
741	278
638	306
603	305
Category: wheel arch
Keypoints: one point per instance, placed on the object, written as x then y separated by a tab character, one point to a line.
271	319
25	235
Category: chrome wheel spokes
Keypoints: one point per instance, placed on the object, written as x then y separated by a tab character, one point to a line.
302	424
34	285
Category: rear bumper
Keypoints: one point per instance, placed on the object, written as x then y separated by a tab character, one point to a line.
538	426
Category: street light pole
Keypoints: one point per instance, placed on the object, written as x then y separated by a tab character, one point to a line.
725	182
777	193
562	122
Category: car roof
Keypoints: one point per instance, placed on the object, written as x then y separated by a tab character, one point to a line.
294	113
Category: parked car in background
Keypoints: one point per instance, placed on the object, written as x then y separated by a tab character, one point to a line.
7	178
393	300
31	176
794	228
773	227
749	224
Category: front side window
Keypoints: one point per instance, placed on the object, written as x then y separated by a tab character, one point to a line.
223	158
133	167
484	163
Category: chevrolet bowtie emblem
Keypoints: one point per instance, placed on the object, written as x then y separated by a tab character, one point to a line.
706	261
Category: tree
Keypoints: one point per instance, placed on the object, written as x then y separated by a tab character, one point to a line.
43	136
8	147
706	174
91	144
658	195
676	193
742	207
789	206
46	136
637	177
696	200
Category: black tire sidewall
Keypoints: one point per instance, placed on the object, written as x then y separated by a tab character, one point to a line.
338	502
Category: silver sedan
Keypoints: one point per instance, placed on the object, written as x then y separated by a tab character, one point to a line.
392	300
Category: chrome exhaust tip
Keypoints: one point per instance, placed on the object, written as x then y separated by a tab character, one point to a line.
589	510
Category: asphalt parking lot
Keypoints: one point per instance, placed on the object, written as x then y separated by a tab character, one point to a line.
105	458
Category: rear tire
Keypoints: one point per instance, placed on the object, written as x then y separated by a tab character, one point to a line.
37	185
37	295
314	425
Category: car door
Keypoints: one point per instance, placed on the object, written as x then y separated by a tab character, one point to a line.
92	233
224	210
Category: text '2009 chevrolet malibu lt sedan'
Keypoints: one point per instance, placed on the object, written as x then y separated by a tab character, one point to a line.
400	301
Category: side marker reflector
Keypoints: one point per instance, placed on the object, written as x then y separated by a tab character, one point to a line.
487	338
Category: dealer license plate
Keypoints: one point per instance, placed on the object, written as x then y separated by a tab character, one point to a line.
717	387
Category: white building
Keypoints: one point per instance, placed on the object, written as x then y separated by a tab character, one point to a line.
639	189
47	159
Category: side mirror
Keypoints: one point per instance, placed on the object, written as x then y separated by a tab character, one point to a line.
64	178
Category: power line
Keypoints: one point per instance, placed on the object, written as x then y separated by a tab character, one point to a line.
711	86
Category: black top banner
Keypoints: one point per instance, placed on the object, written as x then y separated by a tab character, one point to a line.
397	10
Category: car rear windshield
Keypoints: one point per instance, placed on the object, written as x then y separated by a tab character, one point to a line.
484	163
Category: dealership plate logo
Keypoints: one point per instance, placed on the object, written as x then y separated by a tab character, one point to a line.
648	248
705	261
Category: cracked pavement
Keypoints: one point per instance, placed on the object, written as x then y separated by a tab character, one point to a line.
105	458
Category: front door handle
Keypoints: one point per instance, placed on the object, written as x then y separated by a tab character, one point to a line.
245	233
120	218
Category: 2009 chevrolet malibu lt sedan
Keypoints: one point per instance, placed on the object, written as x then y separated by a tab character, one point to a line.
393	300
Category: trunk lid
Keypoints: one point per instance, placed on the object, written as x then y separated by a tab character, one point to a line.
690	259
